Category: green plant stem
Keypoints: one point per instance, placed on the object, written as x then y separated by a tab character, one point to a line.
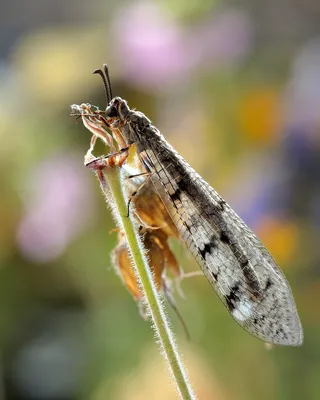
155	305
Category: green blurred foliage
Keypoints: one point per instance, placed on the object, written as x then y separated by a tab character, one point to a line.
226	113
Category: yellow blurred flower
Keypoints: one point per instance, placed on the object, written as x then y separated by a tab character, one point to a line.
151	380
258	115
53	62
280	236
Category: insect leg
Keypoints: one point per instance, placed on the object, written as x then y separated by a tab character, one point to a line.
138	189
168	295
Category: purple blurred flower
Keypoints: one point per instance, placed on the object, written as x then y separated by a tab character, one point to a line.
299	159
303	93
158	51
58	206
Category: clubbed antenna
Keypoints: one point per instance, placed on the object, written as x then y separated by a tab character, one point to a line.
106	72
106	81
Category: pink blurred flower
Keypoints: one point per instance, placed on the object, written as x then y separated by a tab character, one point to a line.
58	206
157	51
222	38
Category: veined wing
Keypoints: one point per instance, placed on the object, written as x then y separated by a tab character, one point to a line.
238	266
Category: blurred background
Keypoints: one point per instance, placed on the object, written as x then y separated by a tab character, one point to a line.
235	88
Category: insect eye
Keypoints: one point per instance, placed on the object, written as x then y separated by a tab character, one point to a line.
111	111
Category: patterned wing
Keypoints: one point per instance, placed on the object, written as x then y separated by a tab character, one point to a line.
238	266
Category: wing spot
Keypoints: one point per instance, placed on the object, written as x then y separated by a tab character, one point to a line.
233	297
176	195
268	284
183	185
206	250
222	205
244	263
224	237
208	247
215	275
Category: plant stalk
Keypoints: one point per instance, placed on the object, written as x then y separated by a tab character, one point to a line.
144	274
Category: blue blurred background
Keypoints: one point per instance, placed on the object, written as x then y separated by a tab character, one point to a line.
235	88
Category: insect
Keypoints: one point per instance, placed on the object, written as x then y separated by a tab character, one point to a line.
237	265
155	224
155	228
